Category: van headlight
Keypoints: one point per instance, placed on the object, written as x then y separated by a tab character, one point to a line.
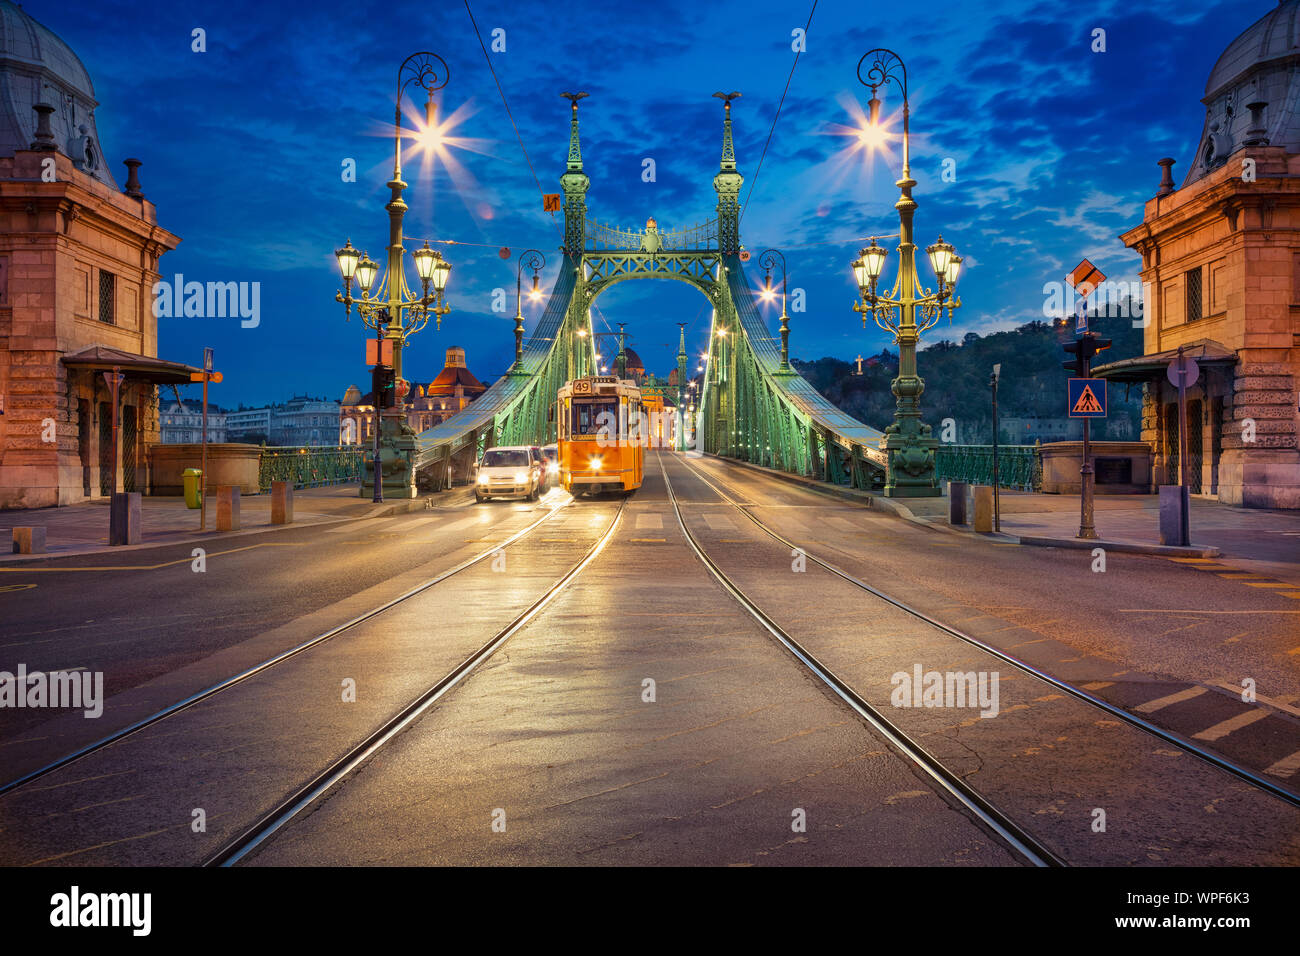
521	477
482	479
553	468
594	462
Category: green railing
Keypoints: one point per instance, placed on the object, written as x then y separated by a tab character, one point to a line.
1019	466
309	466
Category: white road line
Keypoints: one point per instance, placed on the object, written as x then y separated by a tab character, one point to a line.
1225	727
361	526
650	522
719	523
1160	703
1285	767
843	524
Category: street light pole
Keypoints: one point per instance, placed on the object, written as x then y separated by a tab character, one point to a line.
536	261
908	444
768	259
393	310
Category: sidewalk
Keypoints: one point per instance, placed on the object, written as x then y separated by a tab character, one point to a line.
1262	541
83	528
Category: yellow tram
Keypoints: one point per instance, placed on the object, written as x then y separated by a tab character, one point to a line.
599	424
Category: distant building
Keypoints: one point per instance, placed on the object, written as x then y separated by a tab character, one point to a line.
182	423
1029	429
252	425
305	421
427	404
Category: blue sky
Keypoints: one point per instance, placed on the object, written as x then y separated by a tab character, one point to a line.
1055	149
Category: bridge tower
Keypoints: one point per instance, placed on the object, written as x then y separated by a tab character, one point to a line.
575	183
727	184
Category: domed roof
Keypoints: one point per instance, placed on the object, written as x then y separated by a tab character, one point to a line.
36	66
1272	36
634	360
352	396
1251	94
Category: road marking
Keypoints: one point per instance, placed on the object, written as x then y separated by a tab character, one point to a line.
1194	560
1267	584
649	540
1225	727
165	564
1285	767
1160	703
1290	594
719	523
1241	575
1099	685
842	523
15	587
361	525
650	522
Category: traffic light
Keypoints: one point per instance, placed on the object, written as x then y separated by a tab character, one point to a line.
1083	349
384	383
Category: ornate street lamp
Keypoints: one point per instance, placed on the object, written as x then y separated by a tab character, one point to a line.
392	303
908	445
536	261
767	260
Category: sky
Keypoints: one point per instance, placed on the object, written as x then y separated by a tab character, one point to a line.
1052	146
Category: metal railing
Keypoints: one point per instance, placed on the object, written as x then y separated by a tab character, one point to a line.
1019	466
309	466
600	236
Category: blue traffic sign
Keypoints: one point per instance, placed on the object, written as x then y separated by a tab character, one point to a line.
1087	398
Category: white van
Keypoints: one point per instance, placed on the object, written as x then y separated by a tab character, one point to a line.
509	472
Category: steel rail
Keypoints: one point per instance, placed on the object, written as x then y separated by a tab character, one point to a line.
1019	839
307	795
1168	736
173	709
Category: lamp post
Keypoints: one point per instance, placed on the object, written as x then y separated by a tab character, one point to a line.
536	261
908	445
392	310
768	259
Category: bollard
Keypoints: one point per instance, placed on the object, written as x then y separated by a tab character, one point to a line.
124	518
29	540
957	502
1175	504
281	502
984	509
228	508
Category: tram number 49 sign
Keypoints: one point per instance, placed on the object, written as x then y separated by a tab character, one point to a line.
1087	398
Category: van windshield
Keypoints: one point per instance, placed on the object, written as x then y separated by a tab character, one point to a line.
504	458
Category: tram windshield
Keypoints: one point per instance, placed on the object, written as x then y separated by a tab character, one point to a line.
590	417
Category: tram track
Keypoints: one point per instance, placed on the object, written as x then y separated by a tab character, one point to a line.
1183	743
1019	839
261	667
306	796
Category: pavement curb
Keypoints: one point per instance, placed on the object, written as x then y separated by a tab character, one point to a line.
358	512
1132	547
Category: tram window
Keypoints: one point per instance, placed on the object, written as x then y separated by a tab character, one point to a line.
590	417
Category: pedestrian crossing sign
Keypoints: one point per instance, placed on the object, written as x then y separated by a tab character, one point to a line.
1087	398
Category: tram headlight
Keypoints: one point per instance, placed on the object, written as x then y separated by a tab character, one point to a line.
594	462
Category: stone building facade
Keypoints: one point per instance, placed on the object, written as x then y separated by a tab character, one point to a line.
78	259
1221	263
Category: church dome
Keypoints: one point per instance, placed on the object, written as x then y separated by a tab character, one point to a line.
352	396
1252	92
36	66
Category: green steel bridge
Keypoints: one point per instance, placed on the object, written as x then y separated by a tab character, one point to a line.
752	407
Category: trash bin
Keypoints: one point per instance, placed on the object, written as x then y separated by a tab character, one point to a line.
191	477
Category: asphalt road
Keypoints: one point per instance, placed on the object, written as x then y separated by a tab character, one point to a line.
554	732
